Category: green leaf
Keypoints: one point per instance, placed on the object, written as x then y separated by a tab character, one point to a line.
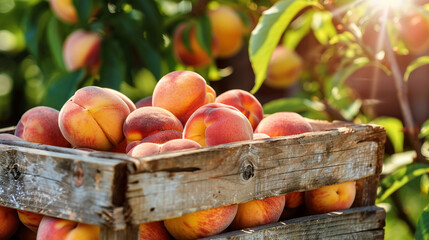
55	43
425	149
204	34
84	9
397	160
424	131
152	19
345	72
113	68
422	231
62	88
394	130
186	36
299	28
151	58
34	27
322	26
421	61
265	37
399	178
351	111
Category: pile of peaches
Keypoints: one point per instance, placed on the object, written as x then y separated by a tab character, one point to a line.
183	113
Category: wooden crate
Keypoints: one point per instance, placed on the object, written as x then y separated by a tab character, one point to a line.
118	192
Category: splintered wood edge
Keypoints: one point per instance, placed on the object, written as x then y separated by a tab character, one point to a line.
357	222
56	183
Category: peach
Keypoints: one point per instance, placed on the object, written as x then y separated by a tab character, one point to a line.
124	98
9	222
413	30
283	124
260	136
330	198
24	233
293	201
9	136
181	93
217	123
54	228
147	148
153	230
82	50
93	118
29	219
195	55
151	124
144	102
228	29
64	10
202	223
258	212
245	102
284	69
40	125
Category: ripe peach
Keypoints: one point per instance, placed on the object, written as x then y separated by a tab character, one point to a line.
147	148
196	56
330	198
93	118
260	136
144	102
283	124
9	136
413	30
64	10
181	93
153	230
228	29
202	223
151	124
24	233
217	123
82	50
245	102
124	98
54	228
29	219
40	125
293	201
284	69
258	212
9	222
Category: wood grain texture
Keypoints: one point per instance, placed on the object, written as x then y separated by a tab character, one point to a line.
64	183
173	184
357	223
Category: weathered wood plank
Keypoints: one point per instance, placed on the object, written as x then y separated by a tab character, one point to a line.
357	223
130	233
173	184
64	183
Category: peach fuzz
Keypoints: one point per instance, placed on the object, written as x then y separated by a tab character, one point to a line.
196	56
153	230
9	222
330	198
181	93
53	228
64	10
228	29
82	50
124	98
217	123
145	149
29	219
245	102
284	69
93	118
258	212
144	102
151	123
40	125
283	124
202	223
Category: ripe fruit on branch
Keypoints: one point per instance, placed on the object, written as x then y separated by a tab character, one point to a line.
284	69
82	50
